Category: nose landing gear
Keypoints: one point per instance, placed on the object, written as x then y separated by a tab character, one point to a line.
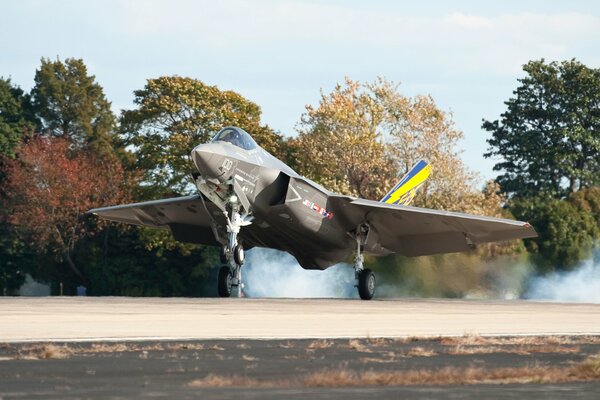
230	276
236	208
224	285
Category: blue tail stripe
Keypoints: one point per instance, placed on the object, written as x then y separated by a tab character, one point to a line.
418	167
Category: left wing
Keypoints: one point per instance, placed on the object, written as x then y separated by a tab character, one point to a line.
186	217
414	231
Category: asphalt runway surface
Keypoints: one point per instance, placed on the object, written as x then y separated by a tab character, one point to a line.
85	347
116	318
272	369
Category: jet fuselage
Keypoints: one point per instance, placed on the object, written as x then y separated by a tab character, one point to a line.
277	196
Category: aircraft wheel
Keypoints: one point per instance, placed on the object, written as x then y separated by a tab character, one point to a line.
223	256
366	284
224	284
238	254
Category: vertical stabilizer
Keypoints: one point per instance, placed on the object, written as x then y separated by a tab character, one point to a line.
404	192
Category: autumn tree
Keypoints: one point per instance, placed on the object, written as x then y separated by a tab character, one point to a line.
173	115
416	128
362	137
341	142
548	139
72	105
51	187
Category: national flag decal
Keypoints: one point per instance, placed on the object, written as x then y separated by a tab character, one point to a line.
317	208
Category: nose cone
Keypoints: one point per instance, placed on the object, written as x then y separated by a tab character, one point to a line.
208	160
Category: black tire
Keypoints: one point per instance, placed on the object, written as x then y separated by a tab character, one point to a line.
366	284
238	254
224	284
223	256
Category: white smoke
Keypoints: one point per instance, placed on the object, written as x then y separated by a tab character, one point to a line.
581	285
272	273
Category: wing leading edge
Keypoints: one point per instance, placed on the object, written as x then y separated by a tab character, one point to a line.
186	217
413	231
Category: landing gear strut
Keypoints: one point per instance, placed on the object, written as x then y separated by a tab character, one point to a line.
364	278
236	208
230	276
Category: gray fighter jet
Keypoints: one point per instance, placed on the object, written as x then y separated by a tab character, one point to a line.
248	198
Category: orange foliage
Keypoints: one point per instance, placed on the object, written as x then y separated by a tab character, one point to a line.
50	187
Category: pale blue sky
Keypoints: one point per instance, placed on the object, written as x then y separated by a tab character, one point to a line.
466	54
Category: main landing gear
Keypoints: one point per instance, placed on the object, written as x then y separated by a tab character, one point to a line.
232	254
364	278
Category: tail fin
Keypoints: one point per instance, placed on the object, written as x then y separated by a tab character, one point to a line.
404	192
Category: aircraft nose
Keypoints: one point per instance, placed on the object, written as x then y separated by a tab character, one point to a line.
205	161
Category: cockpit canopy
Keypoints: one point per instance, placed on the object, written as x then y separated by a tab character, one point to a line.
236	136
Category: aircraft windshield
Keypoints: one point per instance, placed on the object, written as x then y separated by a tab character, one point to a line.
237	137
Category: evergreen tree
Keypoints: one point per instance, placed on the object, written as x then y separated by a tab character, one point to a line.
548	139
71	104
16	118
16	122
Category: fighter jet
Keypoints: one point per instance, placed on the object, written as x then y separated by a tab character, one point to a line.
248	198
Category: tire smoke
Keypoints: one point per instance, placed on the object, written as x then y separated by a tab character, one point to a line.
273	273
581	285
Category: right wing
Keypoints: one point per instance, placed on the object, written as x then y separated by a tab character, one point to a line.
187	217
414	231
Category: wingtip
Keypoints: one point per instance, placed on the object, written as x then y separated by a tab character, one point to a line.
534	233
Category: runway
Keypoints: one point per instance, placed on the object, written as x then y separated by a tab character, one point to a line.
117	318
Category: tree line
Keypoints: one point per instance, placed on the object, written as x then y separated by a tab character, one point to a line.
64	151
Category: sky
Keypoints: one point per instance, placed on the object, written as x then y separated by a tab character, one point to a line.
280	54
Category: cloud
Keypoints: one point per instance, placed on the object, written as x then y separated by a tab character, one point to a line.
471	22
501	43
